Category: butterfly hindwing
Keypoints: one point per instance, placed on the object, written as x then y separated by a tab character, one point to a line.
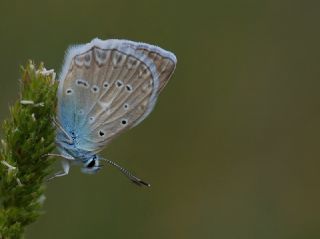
109	86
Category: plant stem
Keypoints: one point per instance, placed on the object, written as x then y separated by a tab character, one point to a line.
28	134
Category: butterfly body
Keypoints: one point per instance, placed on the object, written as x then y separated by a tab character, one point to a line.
69	147
106	88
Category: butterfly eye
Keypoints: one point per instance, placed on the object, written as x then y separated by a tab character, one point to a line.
91	164
126	106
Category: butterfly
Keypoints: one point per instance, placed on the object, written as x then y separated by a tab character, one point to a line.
105	88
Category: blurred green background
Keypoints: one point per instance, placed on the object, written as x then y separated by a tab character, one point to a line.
232	148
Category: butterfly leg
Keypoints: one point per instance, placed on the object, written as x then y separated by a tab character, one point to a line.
67	157
65	164
65	170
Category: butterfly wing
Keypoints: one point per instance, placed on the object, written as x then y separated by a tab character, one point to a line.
107	87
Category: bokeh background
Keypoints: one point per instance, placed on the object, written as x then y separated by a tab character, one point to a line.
232	148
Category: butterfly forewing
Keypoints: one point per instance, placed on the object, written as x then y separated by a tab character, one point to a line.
164	61
164	65
110	86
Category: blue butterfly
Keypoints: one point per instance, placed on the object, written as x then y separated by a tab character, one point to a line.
106	88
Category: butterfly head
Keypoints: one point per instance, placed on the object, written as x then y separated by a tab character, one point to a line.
91	166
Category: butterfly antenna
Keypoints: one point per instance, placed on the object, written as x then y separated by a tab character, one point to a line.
129	175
